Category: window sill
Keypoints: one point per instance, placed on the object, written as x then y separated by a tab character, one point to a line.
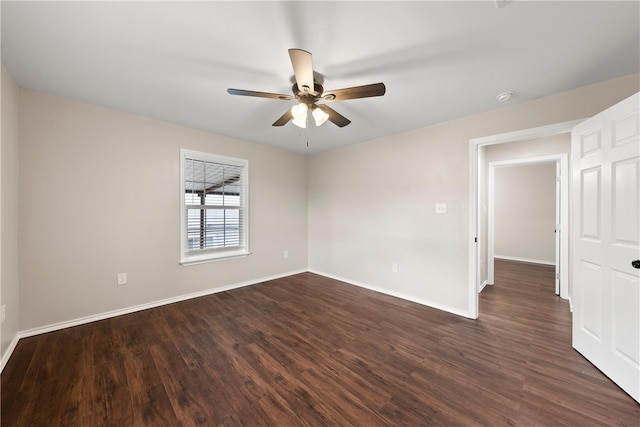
206	258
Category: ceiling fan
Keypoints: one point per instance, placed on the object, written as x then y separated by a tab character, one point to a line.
309	92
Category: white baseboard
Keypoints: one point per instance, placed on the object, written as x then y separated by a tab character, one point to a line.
485	283
529	260
132	309
153	304
406	297
146	306
7	354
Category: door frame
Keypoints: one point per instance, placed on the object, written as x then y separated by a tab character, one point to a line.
561	161
474	145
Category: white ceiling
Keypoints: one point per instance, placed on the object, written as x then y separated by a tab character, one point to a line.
439	60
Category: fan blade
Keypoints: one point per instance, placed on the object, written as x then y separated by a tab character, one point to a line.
259	94
284	119
335	117
302	68
366	91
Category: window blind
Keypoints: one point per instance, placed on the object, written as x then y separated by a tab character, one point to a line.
214	204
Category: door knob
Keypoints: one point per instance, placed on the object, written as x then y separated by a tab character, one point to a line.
635	263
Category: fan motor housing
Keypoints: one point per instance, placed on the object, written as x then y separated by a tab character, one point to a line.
311	95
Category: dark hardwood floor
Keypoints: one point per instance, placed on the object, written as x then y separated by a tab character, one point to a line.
308	350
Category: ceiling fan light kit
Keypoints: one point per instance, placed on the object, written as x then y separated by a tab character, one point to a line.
301	123
299	111
308	92
319	116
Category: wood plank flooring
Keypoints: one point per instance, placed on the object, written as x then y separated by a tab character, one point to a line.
307	351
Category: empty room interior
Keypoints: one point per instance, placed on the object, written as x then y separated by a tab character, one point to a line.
320	213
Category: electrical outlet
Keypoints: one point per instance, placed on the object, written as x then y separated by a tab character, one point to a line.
285	254
394	267
122	279
441	208
4	312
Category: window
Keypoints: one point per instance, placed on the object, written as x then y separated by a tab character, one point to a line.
214	215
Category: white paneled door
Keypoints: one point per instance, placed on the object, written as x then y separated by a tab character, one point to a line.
606	242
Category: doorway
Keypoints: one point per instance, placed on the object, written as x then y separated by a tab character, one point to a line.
545	237
475	227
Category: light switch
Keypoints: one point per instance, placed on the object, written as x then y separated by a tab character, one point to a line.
122	279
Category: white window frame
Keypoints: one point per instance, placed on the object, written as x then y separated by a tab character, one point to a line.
190	257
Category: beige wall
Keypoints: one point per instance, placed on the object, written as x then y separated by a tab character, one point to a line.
99	195
525	212
9	290
373	204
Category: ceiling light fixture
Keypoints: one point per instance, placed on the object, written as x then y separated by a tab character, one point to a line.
299	113
505	96
319	115
301	123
